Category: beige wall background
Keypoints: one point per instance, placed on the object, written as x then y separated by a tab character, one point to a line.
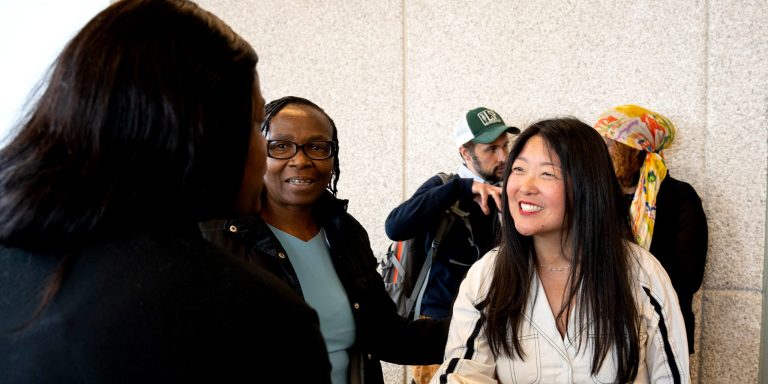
396	74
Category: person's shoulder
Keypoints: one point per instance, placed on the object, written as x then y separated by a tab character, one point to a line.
337	208
23	274
437	179
485	264
480	274
678	187
646	269
350	219
205	271
235	274
446	176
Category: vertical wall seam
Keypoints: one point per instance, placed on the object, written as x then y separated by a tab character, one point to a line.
762	369
707	90
404	74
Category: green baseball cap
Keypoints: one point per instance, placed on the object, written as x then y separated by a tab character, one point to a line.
480	125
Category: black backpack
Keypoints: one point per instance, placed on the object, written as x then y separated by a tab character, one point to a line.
405	266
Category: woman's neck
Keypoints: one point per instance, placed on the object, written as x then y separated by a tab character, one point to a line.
553	266
296	221
550	252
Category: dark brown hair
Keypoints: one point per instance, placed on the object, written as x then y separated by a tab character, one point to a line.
143	124
627	162
147	113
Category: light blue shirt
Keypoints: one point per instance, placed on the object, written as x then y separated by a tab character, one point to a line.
465	173
324	293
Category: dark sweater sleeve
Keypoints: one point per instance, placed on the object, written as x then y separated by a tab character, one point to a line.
422	210
688	247
382	333
399	340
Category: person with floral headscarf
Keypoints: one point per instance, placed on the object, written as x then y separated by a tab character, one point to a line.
666	214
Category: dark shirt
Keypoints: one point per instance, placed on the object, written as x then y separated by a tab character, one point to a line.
680	242
153	308
420	216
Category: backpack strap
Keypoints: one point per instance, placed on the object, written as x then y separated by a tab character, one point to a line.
445	223
394	256
465	218
446	177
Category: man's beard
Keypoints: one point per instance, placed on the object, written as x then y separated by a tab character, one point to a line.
487	176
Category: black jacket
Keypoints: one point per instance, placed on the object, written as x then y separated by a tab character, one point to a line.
680	242
420	216
381	333
154	308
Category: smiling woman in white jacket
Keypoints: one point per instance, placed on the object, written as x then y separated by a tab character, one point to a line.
567	297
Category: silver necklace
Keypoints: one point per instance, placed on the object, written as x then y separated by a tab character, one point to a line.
554	268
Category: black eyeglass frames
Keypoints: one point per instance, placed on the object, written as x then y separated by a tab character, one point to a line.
315	150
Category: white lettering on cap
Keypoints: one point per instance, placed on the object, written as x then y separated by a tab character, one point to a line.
488	117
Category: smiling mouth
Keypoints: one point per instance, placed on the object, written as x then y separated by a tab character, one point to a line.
297	181
530	208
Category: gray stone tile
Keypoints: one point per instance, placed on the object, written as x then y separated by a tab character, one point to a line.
737	143
730	338
531	60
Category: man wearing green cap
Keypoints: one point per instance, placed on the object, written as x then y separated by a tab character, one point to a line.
482	139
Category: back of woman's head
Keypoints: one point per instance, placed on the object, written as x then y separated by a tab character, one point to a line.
145	118
273	107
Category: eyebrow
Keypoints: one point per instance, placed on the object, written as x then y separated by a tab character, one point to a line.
522	158
291	137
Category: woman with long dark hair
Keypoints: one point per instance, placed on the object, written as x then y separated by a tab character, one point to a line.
305	237
568	296
147	124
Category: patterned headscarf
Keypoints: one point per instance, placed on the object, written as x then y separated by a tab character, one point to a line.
651	132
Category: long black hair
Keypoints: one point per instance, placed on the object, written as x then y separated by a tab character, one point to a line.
145	117
275	106
598	231
144	124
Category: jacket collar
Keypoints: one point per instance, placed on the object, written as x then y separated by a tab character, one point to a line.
329	205
465	173
326	208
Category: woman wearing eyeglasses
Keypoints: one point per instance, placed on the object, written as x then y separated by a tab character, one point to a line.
305	236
